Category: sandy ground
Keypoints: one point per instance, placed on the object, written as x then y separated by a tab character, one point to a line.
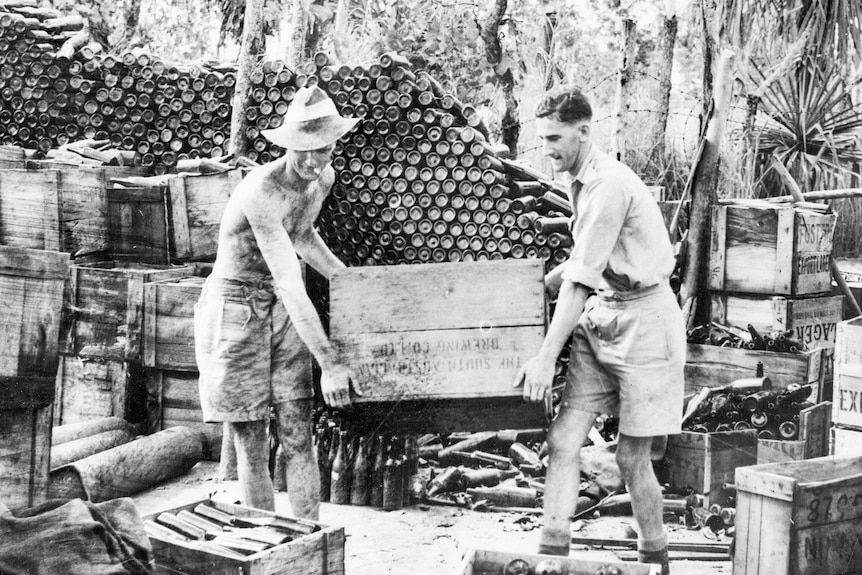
422	540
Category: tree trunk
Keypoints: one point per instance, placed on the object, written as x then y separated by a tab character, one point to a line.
708	11
549	24
133	14
502	67
250	52
625	88
704	194
297	22
664	71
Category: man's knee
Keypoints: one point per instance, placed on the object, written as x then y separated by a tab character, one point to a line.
633	456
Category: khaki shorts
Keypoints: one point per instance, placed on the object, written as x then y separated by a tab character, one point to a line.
248	353
627	359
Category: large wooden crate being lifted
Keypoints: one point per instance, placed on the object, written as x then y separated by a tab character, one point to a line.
172	220
799	518
770	250
31	289
438	346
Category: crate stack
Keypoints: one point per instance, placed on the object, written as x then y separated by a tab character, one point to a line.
847	397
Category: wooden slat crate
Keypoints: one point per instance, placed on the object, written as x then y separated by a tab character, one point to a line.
59	209
104	307
31	289
90	388
799	518
319	553
197	203
846	442
169	337
847	382
706	462
172	223
439	332
714	366
11	158
812	319
813	438
491	562
25	440
173	399
766	250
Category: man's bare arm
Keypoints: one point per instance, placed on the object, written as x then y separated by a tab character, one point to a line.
314	251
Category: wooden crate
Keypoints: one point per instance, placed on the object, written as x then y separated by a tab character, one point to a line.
59	209
813	438
846	442
31	289
319	553
812	319
196	205
714	366
25	440
104	307
169	336
11	157
847	382
706	462
770	250
490	562
444	333
175	222
173	399
799	518
90	388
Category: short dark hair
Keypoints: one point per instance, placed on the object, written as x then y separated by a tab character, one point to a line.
565	104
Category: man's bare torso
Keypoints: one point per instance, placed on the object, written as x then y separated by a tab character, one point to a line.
294	204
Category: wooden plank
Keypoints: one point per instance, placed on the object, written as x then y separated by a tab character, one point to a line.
138	225
832	549
439	364
846	442
750	250
785	272
11	313
25	450
445	416
23	218
179	224
827	495
717	243
24	262
813	251
847	405
437	296
52	216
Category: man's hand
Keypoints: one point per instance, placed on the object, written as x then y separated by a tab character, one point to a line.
536	376
336	385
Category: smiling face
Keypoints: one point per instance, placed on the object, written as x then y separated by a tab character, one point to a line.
309	164
565	143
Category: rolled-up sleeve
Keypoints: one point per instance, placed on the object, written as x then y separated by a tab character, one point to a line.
602	210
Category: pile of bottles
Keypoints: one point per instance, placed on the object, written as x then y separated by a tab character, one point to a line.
749	404
749	338
357	469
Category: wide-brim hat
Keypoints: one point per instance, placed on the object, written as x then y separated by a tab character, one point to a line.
311	122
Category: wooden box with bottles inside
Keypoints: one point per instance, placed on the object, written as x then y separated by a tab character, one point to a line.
210	537
490	562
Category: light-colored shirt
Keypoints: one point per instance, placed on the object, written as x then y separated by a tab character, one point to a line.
620	239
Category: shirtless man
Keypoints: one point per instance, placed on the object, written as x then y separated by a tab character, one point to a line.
254	322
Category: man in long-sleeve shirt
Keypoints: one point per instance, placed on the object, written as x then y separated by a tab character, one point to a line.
628	349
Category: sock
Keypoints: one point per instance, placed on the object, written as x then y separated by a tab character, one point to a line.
554	543
655	544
